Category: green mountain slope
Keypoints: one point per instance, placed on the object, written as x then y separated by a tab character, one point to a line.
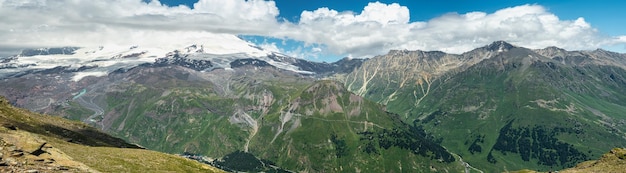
516	109
32	142
295	122
333	128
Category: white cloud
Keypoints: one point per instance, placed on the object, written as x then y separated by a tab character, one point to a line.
376	29
238	10
380	27
50	23
271	47
378	12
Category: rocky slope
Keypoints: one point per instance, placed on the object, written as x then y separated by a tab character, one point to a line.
398	70
31	142
504	107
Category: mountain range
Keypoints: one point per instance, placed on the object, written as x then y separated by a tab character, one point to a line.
496	108
504	107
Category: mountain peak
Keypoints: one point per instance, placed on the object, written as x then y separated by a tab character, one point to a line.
554	48
551	51
499	46
599	50
418	52
606	53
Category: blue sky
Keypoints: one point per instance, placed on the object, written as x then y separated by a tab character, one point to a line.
319	30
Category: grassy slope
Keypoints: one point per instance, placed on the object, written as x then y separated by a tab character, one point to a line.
192	118
92	149
507	99
335	140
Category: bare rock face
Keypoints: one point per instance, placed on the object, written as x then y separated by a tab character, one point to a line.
402	69
399	69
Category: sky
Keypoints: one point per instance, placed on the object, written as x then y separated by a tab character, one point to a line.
319	30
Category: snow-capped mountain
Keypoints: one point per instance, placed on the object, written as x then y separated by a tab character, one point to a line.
218	51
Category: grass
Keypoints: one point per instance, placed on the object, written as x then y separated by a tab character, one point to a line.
107	159
315	148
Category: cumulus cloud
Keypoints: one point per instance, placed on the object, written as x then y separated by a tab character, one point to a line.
240	10
380	27
374	30
50	23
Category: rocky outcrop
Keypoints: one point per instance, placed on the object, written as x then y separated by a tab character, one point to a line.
181	60
19	153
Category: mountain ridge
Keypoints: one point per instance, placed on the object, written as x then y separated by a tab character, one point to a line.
498	88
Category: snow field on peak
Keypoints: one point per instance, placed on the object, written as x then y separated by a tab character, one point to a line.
220	49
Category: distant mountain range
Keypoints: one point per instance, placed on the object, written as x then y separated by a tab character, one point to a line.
496	108
224	52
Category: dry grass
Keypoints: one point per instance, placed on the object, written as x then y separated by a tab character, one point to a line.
107	159
612	162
